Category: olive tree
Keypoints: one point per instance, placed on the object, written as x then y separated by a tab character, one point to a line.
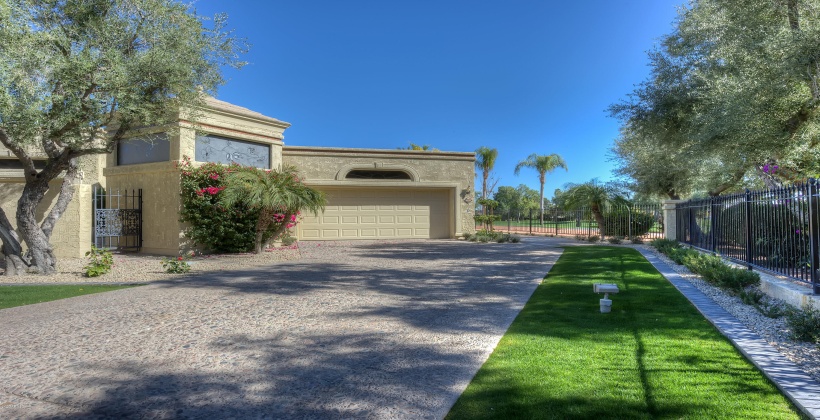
733	90
76	76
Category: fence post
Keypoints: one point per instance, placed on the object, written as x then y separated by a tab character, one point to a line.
814	236
555	220
713	225
670	219
747	201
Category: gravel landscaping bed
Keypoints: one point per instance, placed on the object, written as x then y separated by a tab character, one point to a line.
775	331
143	268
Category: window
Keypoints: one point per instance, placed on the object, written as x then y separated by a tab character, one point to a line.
144	149
376	174
211	148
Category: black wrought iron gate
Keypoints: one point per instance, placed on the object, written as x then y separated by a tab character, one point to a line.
118	219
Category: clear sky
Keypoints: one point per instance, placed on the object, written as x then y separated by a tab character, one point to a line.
524	77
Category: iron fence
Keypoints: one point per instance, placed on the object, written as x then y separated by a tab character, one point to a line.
118	219
774	230
645	221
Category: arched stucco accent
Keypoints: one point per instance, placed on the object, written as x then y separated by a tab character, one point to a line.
342	174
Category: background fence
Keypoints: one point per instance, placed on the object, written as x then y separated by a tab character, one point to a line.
774	230
624	221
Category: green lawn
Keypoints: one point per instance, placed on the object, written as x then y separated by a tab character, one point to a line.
654	356
11	296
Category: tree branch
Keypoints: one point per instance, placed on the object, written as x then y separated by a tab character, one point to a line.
25	159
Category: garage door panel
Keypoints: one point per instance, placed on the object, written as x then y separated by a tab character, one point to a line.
372	213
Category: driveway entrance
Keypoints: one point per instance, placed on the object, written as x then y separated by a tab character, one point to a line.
353	329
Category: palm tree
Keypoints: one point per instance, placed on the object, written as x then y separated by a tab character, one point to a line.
274	192
594	195
543	164
485	161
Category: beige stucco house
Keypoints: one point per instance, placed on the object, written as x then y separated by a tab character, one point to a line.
372	193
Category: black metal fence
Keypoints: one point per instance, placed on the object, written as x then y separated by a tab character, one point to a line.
118	219
623	221
774	230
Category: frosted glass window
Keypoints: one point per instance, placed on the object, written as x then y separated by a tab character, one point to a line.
145	149
210	148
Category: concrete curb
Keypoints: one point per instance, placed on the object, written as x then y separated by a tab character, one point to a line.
798	387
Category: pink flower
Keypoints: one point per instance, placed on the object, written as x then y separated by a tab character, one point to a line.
179	258
214	176
293	218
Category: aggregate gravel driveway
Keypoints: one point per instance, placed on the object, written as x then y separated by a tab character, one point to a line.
354	330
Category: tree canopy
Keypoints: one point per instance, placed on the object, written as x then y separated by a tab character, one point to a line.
77	75
733	91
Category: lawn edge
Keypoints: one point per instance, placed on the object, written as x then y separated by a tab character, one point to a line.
459	388
782	372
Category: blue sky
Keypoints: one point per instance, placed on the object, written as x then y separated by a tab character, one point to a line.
520	76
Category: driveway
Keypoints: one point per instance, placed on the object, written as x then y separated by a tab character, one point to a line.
355	329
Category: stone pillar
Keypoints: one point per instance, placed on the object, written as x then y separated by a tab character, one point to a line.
670	224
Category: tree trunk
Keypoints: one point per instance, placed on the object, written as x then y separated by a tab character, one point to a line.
36	236
599	218
541	178
11	249
40	251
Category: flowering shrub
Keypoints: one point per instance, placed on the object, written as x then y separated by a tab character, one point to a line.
211	225
176	265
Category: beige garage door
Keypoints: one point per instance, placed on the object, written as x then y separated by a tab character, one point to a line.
380	213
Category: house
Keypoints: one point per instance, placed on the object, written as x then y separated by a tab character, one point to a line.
372	193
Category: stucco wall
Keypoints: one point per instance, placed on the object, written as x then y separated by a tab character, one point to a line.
72	234
161	229
452	170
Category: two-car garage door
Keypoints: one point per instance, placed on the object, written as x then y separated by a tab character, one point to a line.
380	213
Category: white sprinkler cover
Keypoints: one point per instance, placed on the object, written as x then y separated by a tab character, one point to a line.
605	288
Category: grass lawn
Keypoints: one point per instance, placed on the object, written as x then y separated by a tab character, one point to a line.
11	296
653	356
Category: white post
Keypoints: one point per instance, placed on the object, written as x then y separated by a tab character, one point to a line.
670	225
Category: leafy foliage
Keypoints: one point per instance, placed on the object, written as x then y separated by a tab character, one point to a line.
100	262
209	224
176	265
543	164
733	92
278	195
711	267
230	225
805	323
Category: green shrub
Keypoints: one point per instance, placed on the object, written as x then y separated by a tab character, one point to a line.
665	245
753	297
100	262
515	239
176	265
805	323
580	238
618	223
594	239
637	240
714	270
615	240
680	255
